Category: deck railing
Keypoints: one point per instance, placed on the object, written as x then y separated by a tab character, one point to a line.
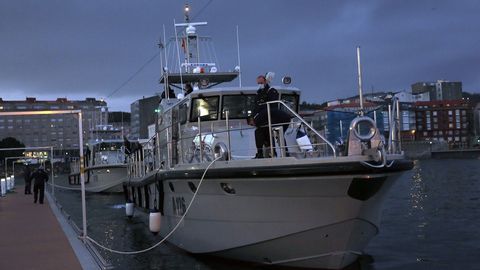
161	154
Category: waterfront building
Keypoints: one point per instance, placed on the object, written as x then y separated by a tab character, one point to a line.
476	124
143	114
439	90
120	121
444	120
317	118
57	130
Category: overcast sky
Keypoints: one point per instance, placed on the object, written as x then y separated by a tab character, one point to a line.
89	48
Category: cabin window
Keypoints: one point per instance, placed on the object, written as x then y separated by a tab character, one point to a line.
291	100
238	106
205	107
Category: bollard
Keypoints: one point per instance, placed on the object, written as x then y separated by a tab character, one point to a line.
13	181
9	183
3	186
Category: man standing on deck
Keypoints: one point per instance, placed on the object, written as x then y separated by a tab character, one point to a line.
27	175
265	94
41	177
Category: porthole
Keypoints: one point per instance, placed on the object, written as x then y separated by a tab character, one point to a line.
227	188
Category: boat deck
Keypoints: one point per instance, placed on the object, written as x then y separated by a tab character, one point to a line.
31	237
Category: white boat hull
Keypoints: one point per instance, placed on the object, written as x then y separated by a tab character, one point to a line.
292	221
108	178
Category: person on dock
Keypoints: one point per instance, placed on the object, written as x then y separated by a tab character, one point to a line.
27	175
41	177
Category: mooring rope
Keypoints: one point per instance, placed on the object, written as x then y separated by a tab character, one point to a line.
170	233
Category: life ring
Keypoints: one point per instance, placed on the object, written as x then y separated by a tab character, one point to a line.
220	150
363	120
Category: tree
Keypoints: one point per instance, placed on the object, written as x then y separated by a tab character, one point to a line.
311	106
10	142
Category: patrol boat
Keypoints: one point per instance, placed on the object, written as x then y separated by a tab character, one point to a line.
105	167
310	205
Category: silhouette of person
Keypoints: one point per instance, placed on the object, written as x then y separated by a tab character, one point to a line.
41	177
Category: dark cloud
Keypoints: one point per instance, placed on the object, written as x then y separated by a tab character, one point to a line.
76	49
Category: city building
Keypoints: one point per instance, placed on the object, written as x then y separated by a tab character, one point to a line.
423	87
444	120
439	90
316	118
120	121
57	130
476	124
143	114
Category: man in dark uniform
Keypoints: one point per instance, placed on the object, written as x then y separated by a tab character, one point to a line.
188	89
265	94
171	94
41	177
27	175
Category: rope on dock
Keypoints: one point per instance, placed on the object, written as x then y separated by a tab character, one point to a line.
170	233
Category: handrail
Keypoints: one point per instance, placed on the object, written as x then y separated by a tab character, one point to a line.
141	162
394	122
301	119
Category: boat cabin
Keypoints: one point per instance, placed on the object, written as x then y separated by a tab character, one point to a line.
188	129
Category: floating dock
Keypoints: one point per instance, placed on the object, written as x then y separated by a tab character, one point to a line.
37	236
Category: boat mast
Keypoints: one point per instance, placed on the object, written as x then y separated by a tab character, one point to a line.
190	41
360	94
165	69
238	55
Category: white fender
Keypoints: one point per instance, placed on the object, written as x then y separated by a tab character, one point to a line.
155	221
129	207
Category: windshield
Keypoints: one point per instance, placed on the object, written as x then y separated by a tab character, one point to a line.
238	106
205	107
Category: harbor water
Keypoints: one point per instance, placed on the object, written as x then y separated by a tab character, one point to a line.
430	221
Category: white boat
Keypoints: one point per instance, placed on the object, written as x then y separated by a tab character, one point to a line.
310	206
105	167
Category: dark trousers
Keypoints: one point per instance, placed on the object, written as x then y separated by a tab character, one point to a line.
28	187
262	138
38	188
